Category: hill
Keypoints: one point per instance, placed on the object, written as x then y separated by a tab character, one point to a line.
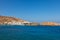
50	23
12	20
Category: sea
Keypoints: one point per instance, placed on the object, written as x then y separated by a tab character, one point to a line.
14	32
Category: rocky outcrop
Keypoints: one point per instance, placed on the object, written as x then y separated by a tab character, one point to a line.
16	21
12	20
50	23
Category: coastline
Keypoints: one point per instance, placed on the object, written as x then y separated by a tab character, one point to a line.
6	20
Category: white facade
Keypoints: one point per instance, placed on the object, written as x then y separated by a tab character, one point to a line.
26	22
14	23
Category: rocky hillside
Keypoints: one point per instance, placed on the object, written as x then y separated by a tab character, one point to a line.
11	20
50	23
17	21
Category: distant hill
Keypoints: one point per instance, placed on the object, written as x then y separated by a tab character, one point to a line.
11	20
50	23
16	21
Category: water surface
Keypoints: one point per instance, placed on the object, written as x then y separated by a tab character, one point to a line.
29	32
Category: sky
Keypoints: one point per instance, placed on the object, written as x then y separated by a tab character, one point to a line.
31	10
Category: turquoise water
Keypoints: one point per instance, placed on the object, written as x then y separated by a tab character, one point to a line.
29	32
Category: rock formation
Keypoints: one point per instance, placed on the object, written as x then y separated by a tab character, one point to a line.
50	23
12	20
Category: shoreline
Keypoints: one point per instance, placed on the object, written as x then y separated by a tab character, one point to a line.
29	25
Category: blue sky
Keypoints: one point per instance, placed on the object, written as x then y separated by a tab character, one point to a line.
31	10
